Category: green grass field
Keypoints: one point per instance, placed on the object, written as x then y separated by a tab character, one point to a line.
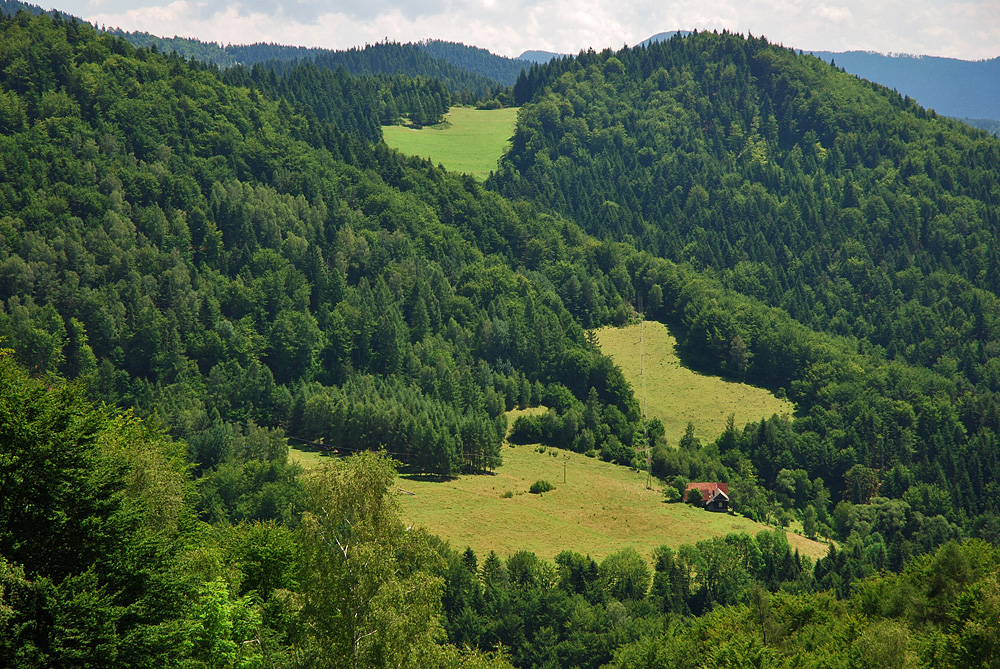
677	395
469	141
305	459
600	509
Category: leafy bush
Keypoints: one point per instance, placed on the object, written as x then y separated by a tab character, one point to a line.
540	486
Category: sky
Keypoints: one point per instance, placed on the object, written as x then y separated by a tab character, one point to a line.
967	29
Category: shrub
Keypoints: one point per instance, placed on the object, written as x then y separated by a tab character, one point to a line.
540	486
507	494
670	494
695	498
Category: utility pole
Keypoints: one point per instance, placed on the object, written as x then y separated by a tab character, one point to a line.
649	455
645	421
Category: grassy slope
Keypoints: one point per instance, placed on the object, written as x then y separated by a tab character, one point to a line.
469	141
600	509
677	395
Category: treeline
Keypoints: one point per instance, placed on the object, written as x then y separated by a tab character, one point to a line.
938	612
334	99
469	72
501	69
577	612
353	104
14	6
188	47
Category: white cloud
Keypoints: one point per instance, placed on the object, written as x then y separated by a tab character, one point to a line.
833	13
956	28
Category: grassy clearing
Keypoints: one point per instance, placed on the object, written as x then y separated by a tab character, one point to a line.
469	141
600	509
677	395
305	459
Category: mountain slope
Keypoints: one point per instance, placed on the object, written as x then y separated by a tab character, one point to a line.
207	254
851	208
727	160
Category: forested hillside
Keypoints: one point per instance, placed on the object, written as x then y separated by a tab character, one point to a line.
382	58
358	106
498	68
850	208
227	260
467	71
463	69
205	254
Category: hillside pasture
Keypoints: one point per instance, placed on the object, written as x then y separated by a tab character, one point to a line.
599	509
469	140
646	353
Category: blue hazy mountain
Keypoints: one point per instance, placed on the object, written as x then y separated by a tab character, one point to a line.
951	87
540	56
662	37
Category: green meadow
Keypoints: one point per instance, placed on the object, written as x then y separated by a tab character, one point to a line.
646	353
470	140
599	509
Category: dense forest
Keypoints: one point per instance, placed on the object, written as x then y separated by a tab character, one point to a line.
198	265
200	252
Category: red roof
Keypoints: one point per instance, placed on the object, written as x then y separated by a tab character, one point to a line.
708	489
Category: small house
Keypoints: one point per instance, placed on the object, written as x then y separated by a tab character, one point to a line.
714	496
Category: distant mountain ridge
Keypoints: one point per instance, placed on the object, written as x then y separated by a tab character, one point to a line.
540	57
951	87
662	37
460	67
967	90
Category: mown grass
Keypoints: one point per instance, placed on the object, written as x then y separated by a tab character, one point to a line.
677	395
469	141
599	509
